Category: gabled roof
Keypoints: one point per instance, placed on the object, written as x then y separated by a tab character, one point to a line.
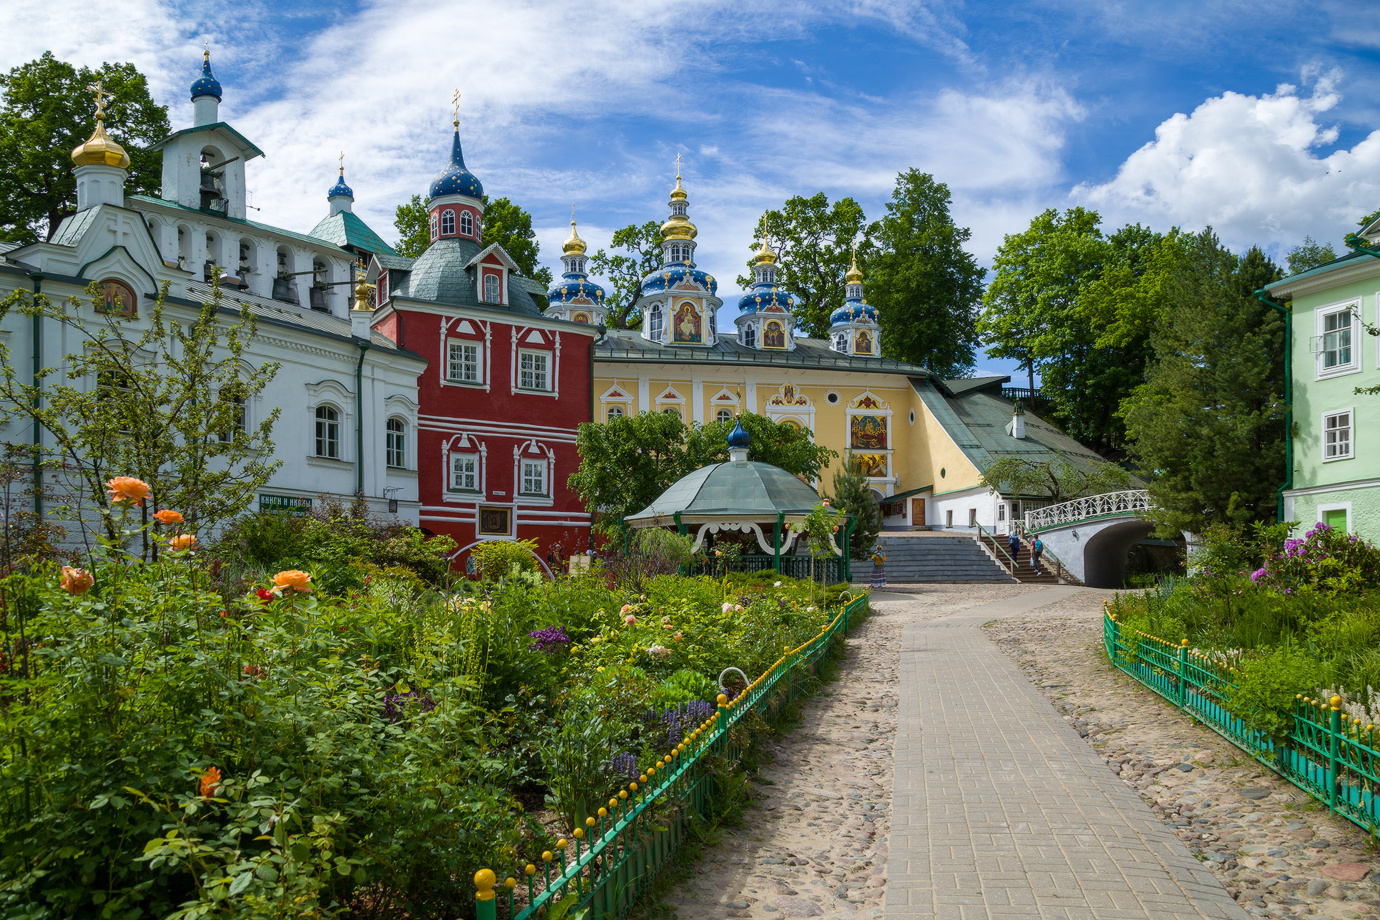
393	262
244	142
346	229
495	249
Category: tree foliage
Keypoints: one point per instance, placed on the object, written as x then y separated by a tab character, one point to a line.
1060	479
1208	422
853	496
925	285
1310	254
630	460
47	111
159	398
813	241
505	223
642	243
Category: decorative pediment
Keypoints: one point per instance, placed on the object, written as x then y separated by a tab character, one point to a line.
614	394
670	395
688	286
534	338
724	397
788	395
868	401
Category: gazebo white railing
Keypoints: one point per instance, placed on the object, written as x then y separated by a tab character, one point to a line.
1110	504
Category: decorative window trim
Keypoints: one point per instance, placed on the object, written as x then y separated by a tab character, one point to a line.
493	286
433	226
1316	343
456	329
1321	512
466	223
339	397
463	444
448	222
723	411
528	452
337	442
656	322
1350	430
520	344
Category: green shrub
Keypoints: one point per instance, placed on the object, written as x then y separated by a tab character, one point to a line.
1266	686
496	559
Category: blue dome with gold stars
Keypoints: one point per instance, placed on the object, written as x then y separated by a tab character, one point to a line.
853	311
340	188
764	296
574	287
675	273
207	84
455	179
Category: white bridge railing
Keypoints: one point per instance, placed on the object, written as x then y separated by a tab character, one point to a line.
1134	501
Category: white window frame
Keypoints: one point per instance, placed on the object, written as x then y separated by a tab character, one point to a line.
496	295
1318	344
723	415
452	343
390	451
1321	513
434	226
333	445
448	217
541	466
458	457
614	412
1350	430
749	336
522	371
466	223
656	322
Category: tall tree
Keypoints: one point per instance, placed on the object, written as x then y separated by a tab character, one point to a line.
1310	254
813	241
852	495
47	111
925	285
642	243
1209	419
505	223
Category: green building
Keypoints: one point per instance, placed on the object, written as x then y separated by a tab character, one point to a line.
1334	450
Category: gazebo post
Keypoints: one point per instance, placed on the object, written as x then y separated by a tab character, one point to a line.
776	539
680	527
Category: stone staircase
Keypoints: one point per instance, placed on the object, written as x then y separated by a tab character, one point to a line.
934	557
1000	551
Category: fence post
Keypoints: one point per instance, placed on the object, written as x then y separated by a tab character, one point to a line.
484	895
1334	728
1183	673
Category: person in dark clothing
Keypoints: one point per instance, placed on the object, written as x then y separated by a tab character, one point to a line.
1036	548
1013	542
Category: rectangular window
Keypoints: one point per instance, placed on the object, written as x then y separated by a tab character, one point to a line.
396	443
534	477
463	364
1335	518
327	433
532	370
972	517
464	472
1336	347
1337	436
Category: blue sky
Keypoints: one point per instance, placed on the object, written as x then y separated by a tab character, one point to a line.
1257	118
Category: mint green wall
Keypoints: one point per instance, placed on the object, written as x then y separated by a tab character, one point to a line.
1364	517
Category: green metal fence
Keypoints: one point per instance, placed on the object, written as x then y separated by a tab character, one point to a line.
830	568
622	849
1327	753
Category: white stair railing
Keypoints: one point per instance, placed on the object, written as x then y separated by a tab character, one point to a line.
1130	502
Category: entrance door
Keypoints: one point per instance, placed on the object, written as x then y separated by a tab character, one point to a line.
917	512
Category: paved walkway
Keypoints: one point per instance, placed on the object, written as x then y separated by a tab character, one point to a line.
1001	810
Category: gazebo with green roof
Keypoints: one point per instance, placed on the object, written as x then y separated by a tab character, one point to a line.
745	496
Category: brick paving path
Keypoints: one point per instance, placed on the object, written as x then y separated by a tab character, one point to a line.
1001	810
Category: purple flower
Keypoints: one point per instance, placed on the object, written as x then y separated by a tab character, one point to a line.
395	705
684	719
1258	574
551	639
624	765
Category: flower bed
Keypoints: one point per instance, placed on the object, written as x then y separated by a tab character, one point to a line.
171	752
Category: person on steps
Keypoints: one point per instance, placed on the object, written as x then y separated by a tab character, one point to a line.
1036	548
1013	543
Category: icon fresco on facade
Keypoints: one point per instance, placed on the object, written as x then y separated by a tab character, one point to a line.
687	329
774	335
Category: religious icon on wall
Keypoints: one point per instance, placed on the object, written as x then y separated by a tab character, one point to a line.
774	335
494	521
872	466
117	298
687	325
863	344
867	432
580	318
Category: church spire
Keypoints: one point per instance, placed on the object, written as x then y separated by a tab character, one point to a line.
206	93
678	233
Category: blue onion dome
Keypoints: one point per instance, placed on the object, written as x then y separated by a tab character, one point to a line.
340	188
765	293
573	287
739	438
853	311
207	85
668	276
455	179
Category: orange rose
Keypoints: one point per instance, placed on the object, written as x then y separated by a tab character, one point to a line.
168	517
295	579
76	581
127	489
210	782
182	542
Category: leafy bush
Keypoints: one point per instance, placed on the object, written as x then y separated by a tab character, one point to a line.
496	559
1266	686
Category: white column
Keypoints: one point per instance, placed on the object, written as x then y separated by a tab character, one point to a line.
697	398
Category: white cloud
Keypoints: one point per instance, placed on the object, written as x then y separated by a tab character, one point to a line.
1258	169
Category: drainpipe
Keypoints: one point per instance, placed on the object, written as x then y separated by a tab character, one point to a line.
38	383
359	416
1261	296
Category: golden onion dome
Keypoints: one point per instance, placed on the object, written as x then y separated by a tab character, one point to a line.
678	227
855	275
765	255
574	246
678	193
100	149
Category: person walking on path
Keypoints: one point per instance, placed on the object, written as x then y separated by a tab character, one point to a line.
879	568
1036	548
1013	542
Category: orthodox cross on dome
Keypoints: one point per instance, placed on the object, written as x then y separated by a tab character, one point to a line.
102	94
455	102
342	162
677	166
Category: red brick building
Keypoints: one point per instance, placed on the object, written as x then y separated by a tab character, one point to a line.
506	388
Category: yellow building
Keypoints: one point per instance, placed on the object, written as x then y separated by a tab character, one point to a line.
922	441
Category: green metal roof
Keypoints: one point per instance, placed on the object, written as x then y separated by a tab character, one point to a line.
961	386
1323	269
346	229
267	228
741	490
628	346
253	151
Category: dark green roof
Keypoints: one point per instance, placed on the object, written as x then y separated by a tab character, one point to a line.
214	216
1322	269
253	151
741	490
346	229
961	386
628	346
443	274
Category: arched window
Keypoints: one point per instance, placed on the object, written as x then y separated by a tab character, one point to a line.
671	410
433	226
491	294
327	432
397	443
447	222
724	415
750	336
654	322
615	412
466	223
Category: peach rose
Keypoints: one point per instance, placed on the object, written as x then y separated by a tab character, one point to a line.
630	620
76	581
295	579
182	542
127	489
167	516
210	782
